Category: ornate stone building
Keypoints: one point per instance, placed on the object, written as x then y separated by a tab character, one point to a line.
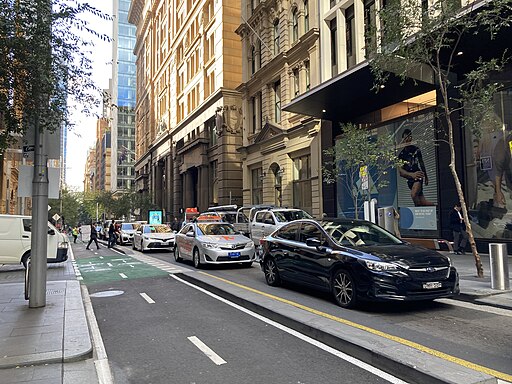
188	113
281	151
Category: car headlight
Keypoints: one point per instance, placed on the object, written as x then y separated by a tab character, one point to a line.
63	244
211	245
250	244
379	266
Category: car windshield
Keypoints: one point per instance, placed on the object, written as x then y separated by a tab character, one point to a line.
286	216
215	229
156	229
356	234
128	226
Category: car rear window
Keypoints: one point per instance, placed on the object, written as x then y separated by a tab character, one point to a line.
286	216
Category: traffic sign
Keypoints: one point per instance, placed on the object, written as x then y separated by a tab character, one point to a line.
56	217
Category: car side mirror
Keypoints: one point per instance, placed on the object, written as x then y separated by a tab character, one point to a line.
51	231
190	234
313	242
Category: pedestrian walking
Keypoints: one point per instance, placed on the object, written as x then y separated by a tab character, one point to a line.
112	234
94	237
74	233
175	225
460	236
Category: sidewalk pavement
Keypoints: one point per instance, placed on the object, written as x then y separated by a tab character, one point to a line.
43	345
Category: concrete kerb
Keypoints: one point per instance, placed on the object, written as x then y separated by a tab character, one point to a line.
393	357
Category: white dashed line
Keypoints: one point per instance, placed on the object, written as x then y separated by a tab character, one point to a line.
206	350
123	275
147	298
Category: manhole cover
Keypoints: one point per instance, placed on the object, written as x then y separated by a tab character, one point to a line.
107	294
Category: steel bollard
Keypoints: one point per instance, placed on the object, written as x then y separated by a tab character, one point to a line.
499	266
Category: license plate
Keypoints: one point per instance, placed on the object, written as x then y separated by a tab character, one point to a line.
233	254
432	285
164	243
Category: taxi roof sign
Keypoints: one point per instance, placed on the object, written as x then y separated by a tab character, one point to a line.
208	217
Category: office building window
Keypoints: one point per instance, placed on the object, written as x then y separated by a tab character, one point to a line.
334	47
253	59
257	186
277	101
295	24
350	36
369	25
302	196
306	16
296	88
308	75
254	112
276	36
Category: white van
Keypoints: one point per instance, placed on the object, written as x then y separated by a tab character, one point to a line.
15	238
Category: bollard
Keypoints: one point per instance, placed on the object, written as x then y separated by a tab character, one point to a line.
499	266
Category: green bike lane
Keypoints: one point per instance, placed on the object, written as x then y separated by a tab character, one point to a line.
108	268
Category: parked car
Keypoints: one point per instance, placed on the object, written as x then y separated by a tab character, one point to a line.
213	243
356	260
268	220
15	240
153	236
126	232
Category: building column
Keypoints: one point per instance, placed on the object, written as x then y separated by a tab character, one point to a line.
203	188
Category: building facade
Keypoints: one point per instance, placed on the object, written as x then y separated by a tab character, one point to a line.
188	112
122	94
281	150
409	110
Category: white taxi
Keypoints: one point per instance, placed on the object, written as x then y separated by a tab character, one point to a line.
213	243
153	236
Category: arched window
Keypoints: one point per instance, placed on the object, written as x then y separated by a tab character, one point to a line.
295	25
276	37
253	59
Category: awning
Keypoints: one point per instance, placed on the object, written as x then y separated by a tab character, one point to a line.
351	94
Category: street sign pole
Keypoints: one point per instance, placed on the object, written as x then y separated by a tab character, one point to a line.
39	239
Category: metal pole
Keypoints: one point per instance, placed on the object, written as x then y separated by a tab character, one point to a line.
39	239
498	259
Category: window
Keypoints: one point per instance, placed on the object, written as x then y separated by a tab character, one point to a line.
302	183
289	232
350	36
334	47
211	131
306	16
277	101
276	37
253	114
308	75
369	24
310	231
296	90
257	186
295	25
253	59
258	55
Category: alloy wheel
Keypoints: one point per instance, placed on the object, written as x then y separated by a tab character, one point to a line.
271	273
343	288
196	259
177	256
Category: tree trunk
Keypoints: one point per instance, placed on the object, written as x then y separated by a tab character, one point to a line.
458	185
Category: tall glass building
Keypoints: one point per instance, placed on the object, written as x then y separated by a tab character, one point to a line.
123	98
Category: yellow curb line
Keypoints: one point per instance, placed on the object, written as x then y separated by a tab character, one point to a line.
419	347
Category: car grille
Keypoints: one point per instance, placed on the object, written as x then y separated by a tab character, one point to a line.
423	274
227	258
233	246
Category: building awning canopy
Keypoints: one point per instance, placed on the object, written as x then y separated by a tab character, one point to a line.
352	94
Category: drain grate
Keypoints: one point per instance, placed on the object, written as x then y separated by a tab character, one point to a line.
55	291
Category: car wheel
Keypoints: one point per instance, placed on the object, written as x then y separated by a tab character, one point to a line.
196	259
271	273
344	289
177	256
25	260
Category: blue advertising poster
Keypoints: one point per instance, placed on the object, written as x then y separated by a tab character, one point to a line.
155	217
418	218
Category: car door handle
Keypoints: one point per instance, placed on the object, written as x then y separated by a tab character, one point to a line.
25	236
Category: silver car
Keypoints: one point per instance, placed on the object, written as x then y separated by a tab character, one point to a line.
213	243
153	236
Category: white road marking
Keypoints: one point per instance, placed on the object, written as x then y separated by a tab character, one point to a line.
206	350
123	275
110	264
101	257
147	298
361	364
477	307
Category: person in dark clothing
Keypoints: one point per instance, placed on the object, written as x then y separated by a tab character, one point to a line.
413	169
94	237
458	227
175	225
112	234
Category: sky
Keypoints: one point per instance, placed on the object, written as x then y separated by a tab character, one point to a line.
83	135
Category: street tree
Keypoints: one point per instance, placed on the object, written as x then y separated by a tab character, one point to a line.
409	39
45	48
358	155
67	206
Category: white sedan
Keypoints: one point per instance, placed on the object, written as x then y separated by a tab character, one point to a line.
153	236
213	243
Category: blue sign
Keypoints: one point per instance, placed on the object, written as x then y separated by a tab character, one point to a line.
155	217
418	218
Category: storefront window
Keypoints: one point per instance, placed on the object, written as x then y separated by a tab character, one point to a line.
489	170
302	183
257	186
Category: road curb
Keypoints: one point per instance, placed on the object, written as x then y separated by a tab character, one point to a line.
417	367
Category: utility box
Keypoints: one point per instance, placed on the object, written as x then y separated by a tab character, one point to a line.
387	218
